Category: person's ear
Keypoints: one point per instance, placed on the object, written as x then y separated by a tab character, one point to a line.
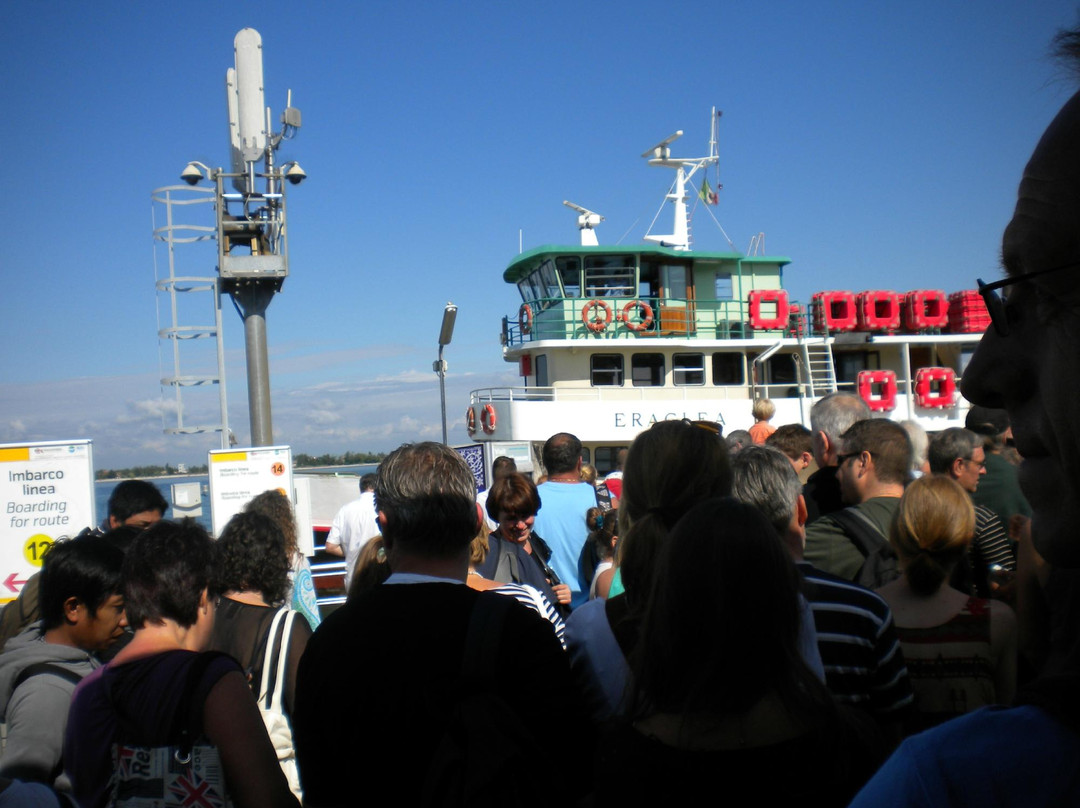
801	514
479	517
72	607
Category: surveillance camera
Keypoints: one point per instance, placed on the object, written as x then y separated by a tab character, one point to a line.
191	174
295	174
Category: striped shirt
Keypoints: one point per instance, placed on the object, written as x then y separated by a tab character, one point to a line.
536	600
864	665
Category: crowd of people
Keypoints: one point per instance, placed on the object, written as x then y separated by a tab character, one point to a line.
857	612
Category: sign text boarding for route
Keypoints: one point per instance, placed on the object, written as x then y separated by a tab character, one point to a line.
46	491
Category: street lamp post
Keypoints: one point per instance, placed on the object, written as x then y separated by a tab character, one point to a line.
446	333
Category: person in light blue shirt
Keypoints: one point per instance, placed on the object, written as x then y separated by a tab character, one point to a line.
565	500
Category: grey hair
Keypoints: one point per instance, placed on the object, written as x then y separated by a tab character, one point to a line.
950	444
836	413
428	496
765	479
920	443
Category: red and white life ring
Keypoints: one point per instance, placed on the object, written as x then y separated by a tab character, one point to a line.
886	400
943	397
470	421
598	323
525	318
646	315
488	419
777	296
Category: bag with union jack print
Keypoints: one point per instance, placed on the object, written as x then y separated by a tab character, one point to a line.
186	774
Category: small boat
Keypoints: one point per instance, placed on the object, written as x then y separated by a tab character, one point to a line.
610	339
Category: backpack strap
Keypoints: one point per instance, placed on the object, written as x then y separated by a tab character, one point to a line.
39	668
278	636
862	531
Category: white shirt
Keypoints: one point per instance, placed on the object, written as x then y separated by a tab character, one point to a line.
353	526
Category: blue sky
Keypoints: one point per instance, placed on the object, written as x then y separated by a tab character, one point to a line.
877	146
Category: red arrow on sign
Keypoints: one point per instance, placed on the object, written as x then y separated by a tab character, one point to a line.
12	582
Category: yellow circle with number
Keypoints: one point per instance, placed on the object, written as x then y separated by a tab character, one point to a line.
35	547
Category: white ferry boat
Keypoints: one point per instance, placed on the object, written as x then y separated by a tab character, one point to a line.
609	340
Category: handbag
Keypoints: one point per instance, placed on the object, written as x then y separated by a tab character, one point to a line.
273	671
177	775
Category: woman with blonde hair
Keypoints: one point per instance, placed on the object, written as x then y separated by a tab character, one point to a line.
961	651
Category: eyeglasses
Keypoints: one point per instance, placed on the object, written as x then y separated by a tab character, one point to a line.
997	306
981	464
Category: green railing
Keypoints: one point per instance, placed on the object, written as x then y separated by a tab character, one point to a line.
615	317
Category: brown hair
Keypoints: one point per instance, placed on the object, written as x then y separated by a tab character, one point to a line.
932	529
515	493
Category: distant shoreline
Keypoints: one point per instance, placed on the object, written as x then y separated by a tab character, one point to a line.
299	469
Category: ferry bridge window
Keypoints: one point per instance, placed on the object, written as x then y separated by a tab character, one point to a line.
723	287
688	369
528	293
727	368
609	276
606	370
647	370
569	269
548	282
541	370
649	281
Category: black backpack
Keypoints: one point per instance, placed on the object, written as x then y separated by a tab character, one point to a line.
881	565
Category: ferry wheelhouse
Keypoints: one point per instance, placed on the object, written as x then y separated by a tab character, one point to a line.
609	340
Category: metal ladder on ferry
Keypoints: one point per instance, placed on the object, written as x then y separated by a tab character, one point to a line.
820	368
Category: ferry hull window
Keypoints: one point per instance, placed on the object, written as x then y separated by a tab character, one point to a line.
727	368
541	370
647	370
848	364
688	369
606	370
609	276
722	286
604	458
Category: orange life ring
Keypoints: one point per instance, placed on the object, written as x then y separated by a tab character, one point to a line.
777	296
886	401
646	315
924	388
525	318
488	419
596	324
470	421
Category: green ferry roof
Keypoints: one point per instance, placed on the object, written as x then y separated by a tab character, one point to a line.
527	261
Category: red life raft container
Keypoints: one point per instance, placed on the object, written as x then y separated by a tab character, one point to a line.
834	311
967	312
935	388
760	322
879	311
884	400
925	309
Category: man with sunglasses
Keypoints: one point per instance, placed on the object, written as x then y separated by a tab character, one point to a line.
853	543
1027	363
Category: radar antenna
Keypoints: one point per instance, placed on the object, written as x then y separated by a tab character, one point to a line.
587	220
685	168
